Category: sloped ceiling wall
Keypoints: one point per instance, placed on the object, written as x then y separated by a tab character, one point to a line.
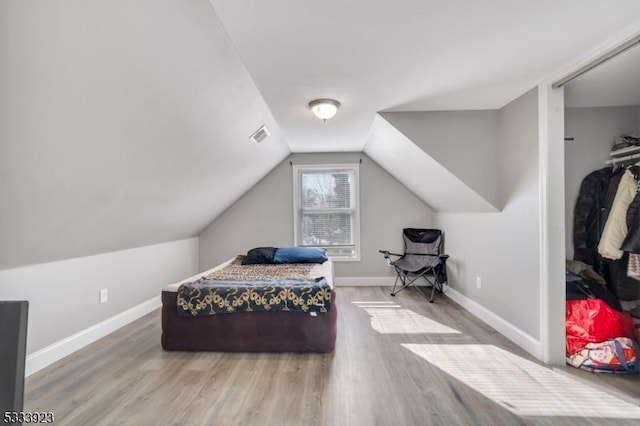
423	174
119	127
463	142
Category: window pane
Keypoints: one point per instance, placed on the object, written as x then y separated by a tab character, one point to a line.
326	190
326	229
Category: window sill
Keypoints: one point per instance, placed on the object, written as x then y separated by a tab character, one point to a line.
344	259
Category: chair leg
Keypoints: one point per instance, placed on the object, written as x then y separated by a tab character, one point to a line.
406	282
437	285
411	282
433	290
403	281
393	292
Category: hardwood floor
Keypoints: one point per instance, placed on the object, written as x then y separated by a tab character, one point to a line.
398	361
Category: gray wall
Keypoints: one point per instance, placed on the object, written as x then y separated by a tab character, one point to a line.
503	248
464	142
63	295
264	216
593	130
118	121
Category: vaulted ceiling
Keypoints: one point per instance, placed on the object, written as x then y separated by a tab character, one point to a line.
126	123
406	55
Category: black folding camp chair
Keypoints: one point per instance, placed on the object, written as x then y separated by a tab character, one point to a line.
423	258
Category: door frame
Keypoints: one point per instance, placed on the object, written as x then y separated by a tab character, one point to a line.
552	200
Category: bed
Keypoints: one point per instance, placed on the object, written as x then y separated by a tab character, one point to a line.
257	331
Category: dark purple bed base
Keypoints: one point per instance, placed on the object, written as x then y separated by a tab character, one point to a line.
248	332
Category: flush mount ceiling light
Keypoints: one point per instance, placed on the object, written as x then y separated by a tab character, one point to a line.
324	109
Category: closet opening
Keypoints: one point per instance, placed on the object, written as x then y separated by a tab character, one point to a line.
602	201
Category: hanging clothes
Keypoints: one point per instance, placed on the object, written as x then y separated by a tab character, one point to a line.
618	280
615	229
593	207
606	235
632	241
590	215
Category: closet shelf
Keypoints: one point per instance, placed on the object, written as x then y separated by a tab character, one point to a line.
625	158
627	150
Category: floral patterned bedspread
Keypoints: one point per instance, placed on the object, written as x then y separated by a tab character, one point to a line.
255	288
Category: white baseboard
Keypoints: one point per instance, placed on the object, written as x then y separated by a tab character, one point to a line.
38	360
363	281
510	331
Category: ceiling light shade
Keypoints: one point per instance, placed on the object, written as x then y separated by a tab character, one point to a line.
324	109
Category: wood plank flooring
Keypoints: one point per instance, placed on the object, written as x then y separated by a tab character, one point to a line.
398	361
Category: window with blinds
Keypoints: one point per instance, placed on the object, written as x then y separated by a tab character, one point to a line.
326	209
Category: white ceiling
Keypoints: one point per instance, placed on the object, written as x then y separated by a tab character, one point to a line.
406	55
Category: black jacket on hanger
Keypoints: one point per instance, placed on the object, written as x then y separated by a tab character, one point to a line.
590	215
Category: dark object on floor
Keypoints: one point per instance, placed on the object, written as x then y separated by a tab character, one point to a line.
13	346
580	289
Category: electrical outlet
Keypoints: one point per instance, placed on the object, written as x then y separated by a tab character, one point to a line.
104	295
479	283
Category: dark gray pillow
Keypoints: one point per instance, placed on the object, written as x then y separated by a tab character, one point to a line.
259	255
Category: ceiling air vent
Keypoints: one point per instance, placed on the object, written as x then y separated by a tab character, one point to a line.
261	134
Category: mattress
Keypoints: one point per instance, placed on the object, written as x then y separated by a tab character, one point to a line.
319	270
249	331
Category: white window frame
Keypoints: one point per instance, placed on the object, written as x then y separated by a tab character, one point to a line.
298	170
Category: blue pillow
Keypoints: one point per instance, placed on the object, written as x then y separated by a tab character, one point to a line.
300	255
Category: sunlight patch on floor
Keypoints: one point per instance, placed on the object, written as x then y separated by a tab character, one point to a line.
391	318
377	305
521	386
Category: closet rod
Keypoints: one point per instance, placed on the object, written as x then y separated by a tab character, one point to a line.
628	150
583	69
625	158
